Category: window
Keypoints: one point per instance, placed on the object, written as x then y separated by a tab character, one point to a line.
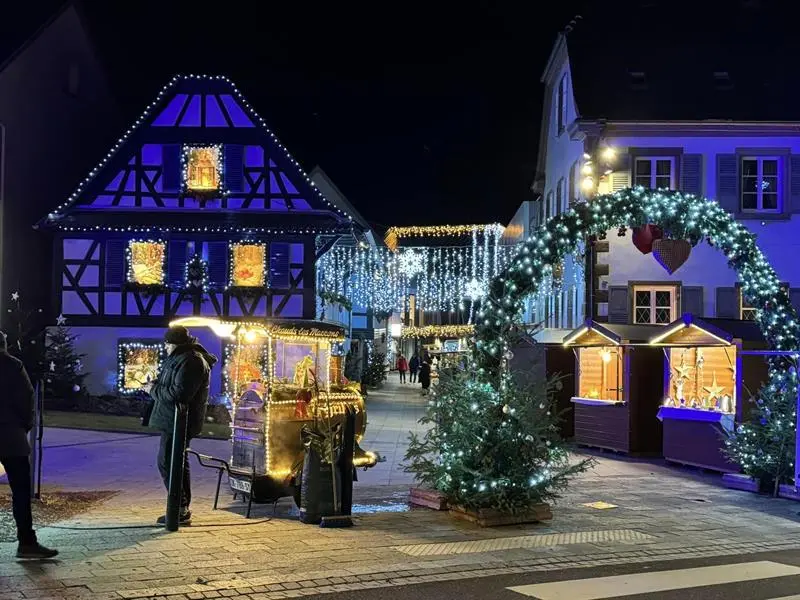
638	80
139	363
562	104
248	261
572	196
722	81
202	168
654	305
560	197
655	172
747	312
548	207
146	262
760	184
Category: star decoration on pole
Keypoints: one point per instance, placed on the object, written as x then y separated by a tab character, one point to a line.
52	366
61	320
714	390
15	296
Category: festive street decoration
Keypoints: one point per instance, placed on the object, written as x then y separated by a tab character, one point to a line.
248	264
644	236
437	331
197	275
138	364
671	254
202	169
395	234
65	374
146	262
680	216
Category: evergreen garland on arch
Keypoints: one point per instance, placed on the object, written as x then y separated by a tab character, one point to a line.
680	216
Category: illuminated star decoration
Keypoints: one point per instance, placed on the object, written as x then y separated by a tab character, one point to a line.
475	289
60	320
683	370
52	366
411	263
714	390
15	296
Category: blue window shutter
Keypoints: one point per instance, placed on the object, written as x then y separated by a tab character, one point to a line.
115	262
692	300
176	264
728	182
794	183
279	265
618	304
218	264
172	168
727	303
692	174
233	167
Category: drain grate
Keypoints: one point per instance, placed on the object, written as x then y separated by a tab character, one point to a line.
525	541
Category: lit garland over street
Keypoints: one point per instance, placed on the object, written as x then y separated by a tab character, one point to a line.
438	331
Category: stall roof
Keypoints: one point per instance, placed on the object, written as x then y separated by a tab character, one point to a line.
592	333
691	331
294	328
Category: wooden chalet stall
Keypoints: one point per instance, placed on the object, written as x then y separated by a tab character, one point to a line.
706	383
618	387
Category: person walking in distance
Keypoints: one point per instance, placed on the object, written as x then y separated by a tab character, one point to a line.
402	366
425	377
413	367
183	384
16	420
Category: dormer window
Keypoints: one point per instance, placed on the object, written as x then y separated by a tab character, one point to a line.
638	80
562	104
722	80
202	168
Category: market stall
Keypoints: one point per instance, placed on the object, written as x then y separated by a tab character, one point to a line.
281	375
618	387
706	382
445	345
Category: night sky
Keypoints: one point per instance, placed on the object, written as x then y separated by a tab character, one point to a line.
419	115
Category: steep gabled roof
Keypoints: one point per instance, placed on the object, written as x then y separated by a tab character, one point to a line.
197	109
684	60
23	31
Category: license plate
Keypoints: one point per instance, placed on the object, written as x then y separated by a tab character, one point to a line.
240	486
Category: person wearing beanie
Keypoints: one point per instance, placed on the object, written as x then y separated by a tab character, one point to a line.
16	420
183	384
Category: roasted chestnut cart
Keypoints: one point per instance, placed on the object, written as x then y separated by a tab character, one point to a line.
707	382
281	375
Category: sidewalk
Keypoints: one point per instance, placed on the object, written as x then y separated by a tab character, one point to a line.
661	514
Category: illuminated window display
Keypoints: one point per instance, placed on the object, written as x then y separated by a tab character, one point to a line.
618	386
248	265
138	364
146	260
202	168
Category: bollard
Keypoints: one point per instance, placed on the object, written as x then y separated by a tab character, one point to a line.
173	513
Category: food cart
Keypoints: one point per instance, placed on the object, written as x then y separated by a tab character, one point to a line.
706	380
618	387
281	375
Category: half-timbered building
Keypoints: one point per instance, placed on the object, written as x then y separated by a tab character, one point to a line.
197	210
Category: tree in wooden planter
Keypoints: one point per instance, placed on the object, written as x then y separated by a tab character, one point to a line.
492	448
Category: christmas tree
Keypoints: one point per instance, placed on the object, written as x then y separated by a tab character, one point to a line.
25	336
491	447
64	372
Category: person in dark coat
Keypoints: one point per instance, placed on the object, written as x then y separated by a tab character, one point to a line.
425	376
413	367
16	420
183	383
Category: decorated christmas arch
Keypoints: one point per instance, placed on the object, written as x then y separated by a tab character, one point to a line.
494	443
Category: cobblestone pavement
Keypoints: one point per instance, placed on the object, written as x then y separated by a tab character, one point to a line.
661	514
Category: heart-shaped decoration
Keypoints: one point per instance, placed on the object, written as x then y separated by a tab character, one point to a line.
671	254
644	236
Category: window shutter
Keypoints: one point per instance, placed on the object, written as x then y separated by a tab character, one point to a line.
233	167
115	262
176	264
794	298
692	300
727	303
794	183
171	162
692	174
279	265
621	177
572	172
218	264
618	304
728	182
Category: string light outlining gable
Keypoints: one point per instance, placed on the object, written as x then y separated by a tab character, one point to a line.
679	216
147	114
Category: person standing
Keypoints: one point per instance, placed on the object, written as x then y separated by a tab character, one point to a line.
413	367
183	384
425	377
16	420
402	367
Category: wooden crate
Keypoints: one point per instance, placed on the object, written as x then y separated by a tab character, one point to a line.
487	517
427	498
